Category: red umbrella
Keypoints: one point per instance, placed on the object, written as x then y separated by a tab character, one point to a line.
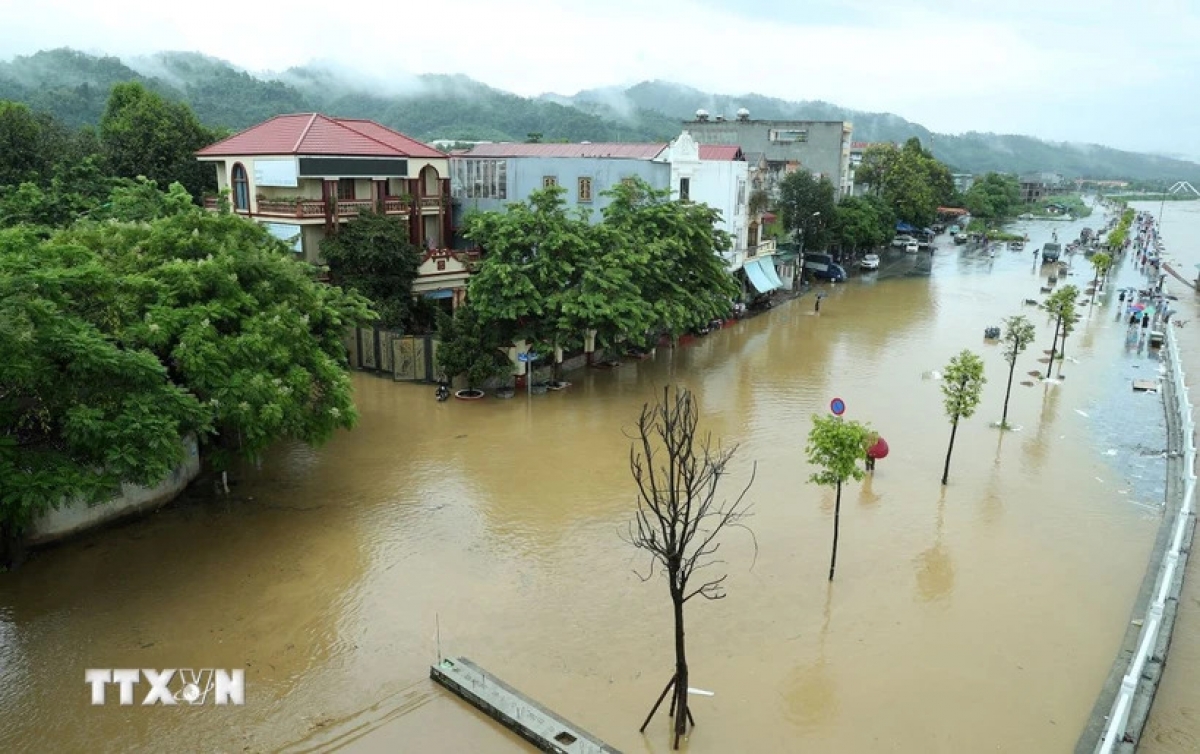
878	450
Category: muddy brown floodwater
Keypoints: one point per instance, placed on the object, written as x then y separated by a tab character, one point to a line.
981	616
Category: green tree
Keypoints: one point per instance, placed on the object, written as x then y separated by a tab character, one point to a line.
673	250
238	323
80	411
806	206
373	255
1061	307
908	179
836	446
1101	262
532	253
145	135
1018	334
466	346
862	222
993	198
680	517
962	389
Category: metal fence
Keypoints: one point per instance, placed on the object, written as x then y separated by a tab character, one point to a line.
404	357
1148	639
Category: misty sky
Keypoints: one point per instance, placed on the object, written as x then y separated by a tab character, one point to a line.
1118	73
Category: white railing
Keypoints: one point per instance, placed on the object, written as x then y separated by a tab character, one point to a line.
1118	719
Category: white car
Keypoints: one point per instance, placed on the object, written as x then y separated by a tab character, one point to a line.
912	248
901	241
869	262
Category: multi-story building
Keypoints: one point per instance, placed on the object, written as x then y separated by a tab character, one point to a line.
304	175
489	176
819	147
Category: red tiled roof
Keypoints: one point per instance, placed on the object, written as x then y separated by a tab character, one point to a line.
601	149
316	134
720	152
410	146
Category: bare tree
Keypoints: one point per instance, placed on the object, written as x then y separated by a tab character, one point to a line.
680	517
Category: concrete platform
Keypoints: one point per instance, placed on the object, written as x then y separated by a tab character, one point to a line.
520	714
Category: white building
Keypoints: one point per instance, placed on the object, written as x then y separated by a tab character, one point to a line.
716	175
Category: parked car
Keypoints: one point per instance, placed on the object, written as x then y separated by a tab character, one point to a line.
869	262
912	248
901	241
822	267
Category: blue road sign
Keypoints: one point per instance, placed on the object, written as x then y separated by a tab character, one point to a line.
527	356
837	406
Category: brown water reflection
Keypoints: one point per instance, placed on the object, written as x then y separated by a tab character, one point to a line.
986	612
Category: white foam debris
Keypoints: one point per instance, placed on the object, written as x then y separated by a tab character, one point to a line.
1081	413
1110	452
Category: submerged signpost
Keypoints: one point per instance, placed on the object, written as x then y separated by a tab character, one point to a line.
527	358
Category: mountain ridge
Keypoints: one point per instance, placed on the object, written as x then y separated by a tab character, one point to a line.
74	87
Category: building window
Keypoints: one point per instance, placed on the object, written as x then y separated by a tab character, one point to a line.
241	189
788	136
741	193
481	179
685	189
548	181
585	189
346	189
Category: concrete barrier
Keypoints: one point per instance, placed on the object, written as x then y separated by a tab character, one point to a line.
1121	728
72	518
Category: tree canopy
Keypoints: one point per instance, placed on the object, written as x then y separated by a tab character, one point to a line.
993	197
373	255
909	179
650	265
119	336
806	206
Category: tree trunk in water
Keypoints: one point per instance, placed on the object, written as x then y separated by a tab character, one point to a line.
681	668
837	516
1053	348
1095	285
949	450
1012	366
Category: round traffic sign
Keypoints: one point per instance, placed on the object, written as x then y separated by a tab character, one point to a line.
837	406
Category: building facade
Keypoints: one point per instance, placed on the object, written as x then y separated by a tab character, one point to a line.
819	147
302	176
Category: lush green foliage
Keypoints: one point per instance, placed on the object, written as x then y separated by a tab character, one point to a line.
1120	233
1061	307
549	274
1073	202
806	207
373	256
910	180
467	346
863	222
143	134
119	336
1101	262
962	390
994	197
836	447
962	385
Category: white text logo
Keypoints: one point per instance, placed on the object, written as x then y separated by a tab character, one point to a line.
185	686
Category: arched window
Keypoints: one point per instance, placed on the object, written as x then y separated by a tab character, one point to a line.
241	189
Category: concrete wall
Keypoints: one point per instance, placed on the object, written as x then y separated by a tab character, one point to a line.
524	175
77	517
721	184
825	150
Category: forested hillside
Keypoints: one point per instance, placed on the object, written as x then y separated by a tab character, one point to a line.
74	87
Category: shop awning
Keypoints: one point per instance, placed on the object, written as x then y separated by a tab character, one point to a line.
768	266
443	293
760	278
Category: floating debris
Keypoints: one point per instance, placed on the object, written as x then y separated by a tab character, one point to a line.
1081	413
1028	383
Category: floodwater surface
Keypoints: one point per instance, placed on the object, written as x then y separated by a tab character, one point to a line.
1174	724
983	615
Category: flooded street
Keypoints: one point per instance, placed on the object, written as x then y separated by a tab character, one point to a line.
1174	724
980	616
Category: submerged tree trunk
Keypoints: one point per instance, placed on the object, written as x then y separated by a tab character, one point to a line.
949	450
837	516
1012	366
1053	348
680	702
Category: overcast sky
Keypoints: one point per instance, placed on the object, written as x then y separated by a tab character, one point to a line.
1125	74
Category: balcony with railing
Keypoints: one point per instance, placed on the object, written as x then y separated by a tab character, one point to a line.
314	209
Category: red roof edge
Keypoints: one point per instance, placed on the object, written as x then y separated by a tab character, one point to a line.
304	133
